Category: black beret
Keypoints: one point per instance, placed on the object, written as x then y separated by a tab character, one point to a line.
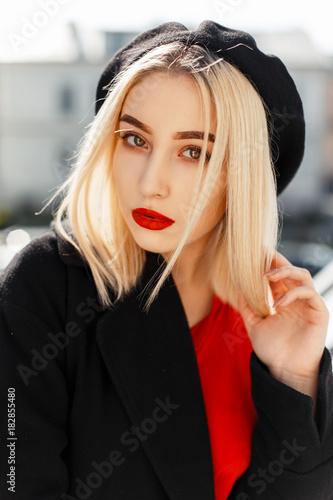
267	73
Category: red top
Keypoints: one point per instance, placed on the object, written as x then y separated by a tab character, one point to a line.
223	352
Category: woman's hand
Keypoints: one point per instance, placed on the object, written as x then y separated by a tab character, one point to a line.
290	342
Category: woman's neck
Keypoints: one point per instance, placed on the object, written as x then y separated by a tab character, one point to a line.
192	269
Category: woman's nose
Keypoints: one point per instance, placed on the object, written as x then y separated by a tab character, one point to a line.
155	177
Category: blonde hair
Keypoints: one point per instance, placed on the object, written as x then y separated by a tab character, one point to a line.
244	240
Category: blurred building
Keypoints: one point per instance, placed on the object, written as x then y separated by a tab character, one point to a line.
43	111
46	106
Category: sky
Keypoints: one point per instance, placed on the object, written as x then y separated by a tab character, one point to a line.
32	29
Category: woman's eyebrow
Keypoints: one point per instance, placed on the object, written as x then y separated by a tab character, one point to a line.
134	121
191	134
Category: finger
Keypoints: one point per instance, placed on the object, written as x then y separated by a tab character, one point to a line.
291	279
308	293
291	273
278	288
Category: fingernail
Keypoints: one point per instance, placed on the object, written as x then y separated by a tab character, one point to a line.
272	271
281	299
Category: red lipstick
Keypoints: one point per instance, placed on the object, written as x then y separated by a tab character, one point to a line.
150	219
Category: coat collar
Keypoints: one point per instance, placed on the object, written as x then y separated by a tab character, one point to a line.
151	361
67	253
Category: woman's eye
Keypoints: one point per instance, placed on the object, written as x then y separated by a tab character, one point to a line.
194	154
137	141
133	140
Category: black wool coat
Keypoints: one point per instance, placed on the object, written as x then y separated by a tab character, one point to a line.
108	405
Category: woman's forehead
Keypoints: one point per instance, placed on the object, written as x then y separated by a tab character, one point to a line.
163	94
159	81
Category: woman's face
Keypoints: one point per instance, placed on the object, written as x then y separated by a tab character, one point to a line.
156	162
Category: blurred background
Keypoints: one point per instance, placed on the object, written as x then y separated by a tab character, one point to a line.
51	55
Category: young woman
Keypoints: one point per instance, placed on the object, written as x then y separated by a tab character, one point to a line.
154	344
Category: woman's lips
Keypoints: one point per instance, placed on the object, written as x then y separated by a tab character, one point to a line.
150	219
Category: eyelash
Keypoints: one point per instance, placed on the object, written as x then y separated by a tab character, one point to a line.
193	148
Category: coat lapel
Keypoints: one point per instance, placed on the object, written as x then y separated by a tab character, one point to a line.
152	363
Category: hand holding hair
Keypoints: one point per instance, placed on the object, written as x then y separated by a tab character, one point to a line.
291	341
